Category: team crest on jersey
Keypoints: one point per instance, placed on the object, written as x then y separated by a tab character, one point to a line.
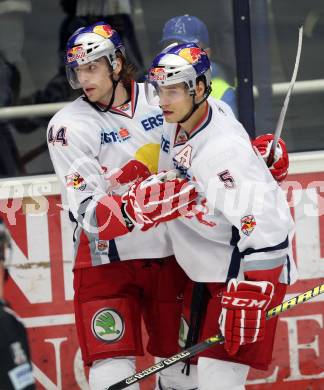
124	107
107	325
181	138
183	332
75	181
248	224
102	247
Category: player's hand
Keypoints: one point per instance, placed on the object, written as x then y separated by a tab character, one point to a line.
243	316
280	165
159	198
120	179
132	171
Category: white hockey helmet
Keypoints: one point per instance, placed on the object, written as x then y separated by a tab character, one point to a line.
177	64
88	44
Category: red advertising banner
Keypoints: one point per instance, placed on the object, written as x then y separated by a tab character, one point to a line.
40	291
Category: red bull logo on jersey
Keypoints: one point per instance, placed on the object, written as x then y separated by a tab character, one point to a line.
75	53
181	138
248	224
191	54
124	107
75	181
157	74
102	245
103	30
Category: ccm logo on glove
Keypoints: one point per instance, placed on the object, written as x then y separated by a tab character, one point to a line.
244	302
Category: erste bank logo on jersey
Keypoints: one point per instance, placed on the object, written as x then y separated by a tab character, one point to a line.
114	136
152	122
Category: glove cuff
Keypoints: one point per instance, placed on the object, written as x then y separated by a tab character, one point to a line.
128	220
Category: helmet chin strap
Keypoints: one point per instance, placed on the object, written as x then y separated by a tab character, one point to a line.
108	107
114	82
195	105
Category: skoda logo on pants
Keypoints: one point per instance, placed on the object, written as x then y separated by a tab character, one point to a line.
107	325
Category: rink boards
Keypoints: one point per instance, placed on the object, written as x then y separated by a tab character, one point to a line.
40	286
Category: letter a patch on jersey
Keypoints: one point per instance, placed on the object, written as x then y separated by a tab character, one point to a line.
184	156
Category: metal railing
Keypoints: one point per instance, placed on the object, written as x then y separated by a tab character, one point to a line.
38	110
34	110
301	87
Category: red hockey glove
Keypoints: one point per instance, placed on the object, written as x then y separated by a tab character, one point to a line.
120	179
159	198
280	165
132	171
243	316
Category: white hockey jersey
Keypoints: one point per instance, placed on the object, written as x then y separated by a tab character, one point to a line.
87	147
244	222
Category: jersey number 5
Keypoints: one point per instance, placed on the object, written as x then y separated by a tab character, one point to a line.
59	136
226	178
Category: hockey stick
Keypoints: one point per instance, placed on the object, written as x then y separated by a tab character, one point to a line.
286	102
192	351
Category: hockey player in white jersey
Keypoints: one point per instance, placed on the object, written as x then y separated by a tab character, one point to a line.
101	145
238	240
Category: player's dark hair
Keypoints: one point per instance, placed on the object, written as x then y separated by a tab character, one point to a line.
128	72
202	78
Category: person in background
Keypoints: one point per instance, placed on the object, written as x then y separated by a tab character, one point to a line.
13	17
186	28
10	162
15	363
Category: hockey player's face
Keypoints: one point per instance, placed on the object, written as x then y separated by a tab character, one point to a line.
175	102
95	80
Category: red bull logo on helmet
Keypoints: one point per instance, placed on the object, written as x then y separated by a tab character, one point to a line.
191	54
75	53
103	30
248	224
157	74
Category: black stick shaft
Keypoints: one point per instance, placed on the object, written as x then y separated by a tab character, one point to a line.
195	349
